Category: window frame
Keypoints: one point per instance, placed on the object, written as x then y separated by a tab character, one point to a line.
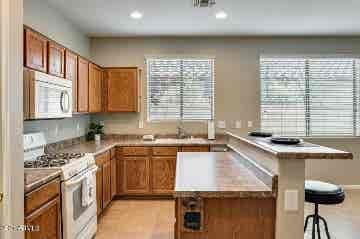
355	89
175	57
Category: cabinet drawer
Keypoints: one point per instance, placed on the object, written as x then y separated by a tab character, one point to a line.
165	151
42	195
113	153
135	151
102	158
195	149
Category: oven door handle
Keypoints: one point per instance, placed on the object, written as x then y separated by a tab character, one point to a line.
80	179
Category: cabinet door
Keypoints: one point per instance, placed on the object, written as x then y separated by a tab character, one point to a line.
48	219
113	178
83	85
106	193
95	88
35	51
122	89
163	174
56	59
71	73
136	175
99	190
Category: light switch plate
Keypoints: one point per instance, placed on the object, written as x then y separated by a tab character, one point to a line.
141	124
221	124
238	124
250	124
291	200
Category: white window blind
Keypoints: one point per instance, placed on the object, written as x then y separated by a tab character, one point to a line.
180	89
309	96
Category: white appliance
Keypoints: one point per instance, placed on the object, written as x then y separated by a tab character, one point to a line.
46	96
78	221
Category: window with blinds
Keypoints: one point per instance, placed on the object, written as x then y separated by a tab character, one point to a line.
310	96
180	89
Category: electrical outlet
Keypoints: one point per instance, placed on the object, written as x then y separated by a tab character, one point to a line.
238	124
250	124
291	200
78	127
141	124
221	124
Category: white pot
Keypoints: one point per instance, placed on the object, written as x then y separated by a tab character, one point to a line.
97	138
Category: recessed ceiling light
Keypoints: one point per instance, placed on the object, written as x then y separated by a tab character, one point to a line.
136	15
221	15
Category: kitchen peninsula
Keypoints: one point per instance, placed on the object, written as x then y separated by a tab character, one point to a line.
242	193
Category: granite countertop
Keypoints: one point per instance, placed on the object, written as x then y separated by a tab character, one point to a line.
217	174
106	144
302	151
34	178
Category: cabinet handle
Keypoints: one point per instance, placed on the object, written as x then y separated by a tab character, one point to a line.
1	197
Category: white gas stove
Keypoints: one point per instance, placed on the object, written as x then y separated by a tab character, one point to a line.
79	220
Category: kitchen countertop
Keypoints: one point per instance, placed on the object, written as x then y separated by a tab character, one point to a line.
217	175
34	178
106	144
302	151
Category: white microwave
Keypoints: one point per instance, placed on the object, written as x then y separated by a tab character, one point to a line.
46	96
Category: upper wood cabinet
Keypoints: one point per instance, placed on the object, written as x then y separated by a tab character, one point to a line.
35	49
95	88
122	89
83	85
71	73
56	59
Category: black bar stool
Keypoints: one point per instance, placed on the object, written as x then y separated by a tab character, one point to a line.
318	192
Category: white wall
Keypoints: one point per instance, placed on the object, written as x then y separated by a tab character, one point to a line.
48	21
237	90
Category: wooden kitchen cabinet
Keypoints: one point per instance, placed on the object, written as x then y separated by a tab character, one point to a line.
35	50
113	168
136	175
56	59
163	174
95	88
106	195
43	210
71	73
83	86
195	149
99	189
122	89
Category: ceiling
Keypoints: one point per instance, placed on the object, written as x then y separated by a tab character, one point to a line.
245	17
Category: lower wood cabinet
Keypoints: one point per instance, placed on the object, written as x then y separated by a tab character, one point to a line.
136	175
113	181
106	177
43	211
99	189
163	174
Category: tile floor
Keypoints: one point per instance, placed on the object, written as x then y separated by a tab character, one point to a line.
154	219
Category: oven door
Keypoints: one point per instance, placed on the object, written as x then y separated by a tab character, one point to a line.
78	221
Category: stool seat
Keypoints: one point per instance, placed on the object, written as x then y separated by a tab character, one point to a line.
323	193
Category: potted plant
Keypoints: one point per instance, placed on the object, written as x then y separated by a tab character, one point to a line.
95	131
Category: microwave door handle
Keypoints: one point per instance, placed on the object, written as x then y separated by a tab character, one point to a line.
64	97
62	101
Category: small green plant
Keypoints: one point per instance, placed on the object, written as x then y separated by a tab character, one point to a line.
94	128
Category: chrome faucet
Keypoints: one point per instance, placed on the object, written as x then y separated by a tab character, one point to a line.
181	133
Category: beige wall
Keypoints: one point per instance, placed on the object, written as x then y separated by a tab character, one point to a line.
237	88
43	18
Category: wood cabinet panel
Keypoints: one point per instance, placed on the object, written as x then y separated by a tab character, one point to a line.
102	158
35	49
136	175
41	195
99	190
48	219
195	149
163	174
95	88
71	73
135	151
56	59
165	151
83	85
106	193
122	89
113	177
